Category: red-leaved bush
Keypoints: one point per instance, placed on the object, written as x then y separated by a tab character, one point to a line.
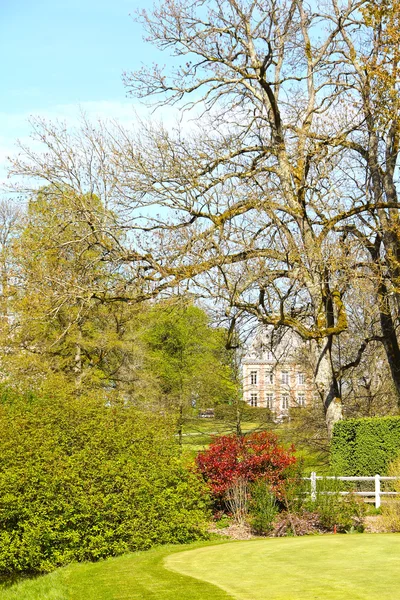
250	457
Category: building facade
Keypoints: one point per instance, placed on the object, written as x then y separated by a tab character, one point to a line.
276	374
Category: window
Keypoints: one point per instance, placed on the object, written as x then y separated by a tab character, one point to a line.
301	399
269	377
269	401
253	399
269	355
301	379
285	401
285	377
253	377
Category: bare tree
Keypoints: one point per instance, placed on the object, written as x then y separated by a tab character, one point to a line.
10	216
259	192
370	77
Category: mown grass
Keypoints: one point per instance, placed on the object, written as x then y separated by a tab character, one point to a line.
331	567
137	576
360	567
198	433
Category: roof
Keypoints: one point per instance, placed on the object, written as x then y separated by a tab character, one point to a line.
270	345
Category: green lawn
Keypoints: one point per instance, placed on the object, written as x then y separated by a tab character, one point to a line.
138	576
332	567
335	567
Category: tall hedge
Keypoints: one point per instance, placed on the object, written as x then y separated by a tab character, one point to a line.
365	446
80	480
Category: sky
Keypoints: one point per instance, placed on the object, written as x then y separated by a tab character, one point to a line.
60	57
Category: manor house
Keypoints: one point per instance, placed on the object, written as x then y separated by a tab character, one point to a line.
276	372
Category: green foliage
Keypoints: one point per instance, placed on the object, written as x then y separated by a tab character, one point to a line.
187	356
83	480
263	508
345	513
365	446
65	324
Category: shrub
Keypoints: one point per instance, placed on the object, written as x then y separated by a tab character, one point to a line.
250	457
365	446
263	508
237	501
303	523
345	513
82	481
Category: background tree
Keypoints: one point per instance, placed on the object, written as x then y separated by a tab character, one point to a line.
61	323
187	359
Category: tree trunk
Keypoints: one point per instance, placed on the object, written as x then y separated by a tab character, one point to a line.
390	341
180	423
327	385
78	360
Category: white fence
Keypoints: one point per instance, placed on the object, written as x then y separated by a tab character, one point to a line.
377	493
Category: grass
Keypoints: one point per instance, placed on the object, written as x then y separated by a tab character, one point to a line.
199	432
360	567
138	576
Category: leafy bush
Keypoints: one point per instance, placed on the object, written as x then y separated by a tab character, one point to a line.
365	446
83	481
263	508
250	457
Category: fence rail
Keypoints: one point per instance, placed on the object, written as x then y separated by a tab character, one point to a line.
377	493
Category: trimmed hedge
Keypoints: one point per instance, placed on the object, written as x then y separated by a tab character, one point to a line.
365	446
80	480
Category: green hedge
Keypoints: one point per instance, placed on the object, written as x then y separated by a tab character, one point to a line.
80	480
365	446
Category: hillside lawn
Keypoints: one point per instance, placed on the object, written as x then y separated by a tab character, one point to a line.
330	567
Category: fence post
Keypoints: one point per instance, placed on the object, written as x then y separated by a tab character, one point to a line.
313	486
377	491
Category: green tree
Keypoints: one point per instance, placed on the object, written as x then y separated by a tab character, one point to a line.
63	324
188	358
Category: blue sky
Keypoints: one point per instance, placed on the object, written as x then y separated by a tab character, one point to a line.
62	55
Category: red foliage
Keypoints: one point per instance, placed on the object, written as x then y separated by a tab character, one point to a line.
254	456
